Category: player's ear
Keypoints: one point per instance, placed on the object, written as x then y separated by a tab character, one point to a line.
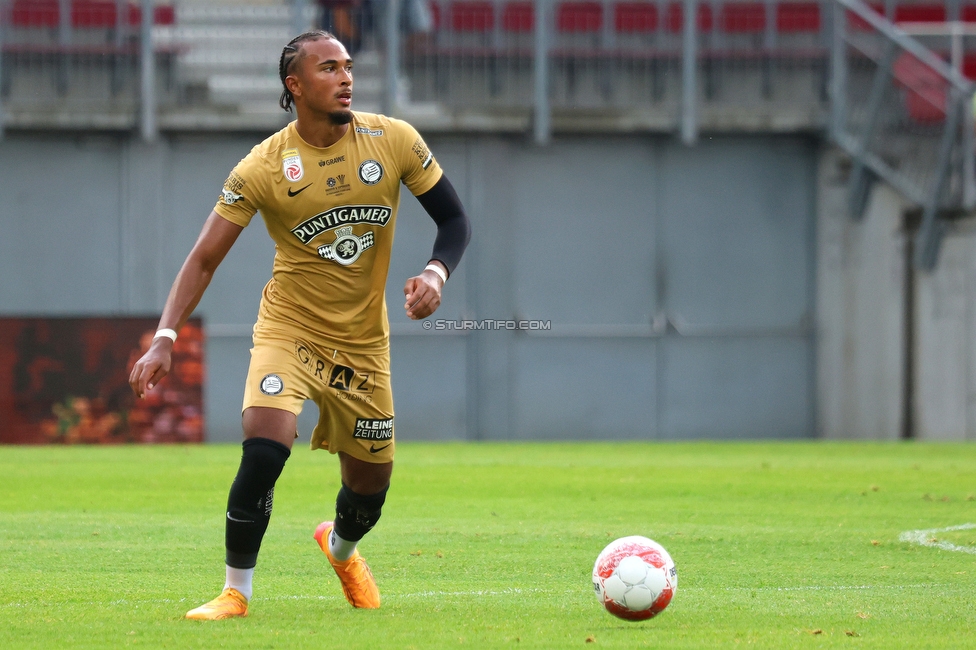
293	85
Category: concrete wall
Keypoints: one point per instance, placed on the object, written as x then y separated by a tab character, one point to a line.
945	321
869	299
860	310
679	282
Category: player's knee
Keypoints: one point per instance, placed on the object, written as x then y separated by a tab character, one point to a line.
252	493
356	514
251	499
264	459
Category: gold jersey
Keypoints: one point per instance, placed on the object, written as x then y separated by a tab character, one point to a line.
331	213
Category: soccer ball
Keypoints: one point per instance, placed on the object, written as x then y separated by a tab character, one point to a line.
634	578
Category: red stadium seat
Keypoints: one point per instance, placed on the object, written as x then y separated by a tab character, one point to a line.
518	17
798	17
162	14
94	13
967	13
635	17
435	13
472	16
674	17
579	17
969	66
925	89
742	17
920	13
35	13
858	24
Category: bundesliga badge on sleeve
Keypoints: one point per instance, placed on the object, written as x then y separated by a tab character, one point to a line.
291	165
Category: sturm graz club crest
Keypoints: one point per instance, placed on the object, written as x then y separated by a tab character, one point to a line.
370	172
347	247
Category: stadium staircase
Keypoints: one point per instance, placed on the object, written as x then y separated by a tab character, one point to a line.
902	109
229	55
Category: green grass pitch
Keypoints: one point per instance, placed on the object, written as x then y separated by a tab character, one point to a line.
788	545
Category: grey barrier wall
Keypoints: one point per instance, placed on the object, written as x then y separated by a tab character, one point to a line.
673	286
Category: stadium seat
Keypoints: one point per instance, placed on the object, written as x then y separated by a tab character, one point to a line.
859	24
635	17
518	17
472	16
920	13
967	13
94	13
35	13
162	14
742	17
798	17
969	66
925	89
674	17
435	14
579	17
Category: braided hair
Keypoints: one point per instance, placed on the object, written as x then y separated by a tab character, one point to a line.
288	56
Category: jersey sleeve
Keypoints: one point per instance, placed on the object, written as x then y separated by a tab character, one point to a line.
240	198
419	169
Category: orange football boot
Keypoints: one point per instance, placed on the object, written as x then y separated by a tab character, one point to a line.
358	584
229	604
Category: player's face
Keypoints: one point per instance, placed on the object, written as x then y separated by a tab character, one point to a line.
325	75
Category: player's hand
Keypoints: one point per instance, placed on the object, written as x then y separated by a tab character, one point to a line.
152	367
423	294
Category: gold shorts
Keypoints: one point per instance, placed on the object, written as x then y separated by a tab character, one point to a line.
352	392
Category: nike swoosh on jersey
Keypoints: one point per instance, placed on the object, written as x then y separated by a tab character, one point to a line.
373	448
297	192
240	521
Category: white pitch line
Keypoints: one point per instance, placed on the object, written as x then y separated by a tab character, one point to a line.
925	538
836	587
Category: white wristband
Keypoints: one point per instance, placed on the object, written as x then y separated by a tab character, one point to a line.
438	270
168	333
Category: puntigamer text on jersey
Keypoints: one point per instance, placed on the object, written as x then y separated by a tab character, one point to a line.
343	215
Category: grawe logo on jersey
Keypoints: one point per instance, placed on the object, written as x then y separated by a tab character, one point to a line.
291	164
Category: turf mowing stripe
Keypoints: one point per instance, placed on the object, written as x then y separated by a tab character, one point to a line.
924	538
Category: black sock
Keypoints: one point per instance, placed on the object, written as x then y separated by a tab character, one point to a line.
251	499
356	514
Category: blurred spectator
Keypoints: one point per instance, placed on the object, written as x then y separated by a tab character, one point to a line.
351	21
416	21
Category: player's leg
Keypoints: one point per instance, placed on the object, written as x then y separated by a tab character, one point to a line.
359	503
358	508
356	422
274	393
268	437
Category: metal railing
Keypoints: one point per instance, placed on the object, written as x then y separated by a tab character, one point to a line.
82	64
753	65
534	65
904	115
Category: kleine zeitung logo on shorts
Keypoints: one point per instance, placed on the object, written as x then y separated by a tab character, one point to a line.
369	429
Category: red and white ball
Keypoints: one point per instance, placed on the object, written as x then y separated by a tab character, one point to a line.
634	578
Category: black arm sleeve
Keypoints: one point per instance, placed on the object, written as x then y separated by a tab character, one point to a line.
453	228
